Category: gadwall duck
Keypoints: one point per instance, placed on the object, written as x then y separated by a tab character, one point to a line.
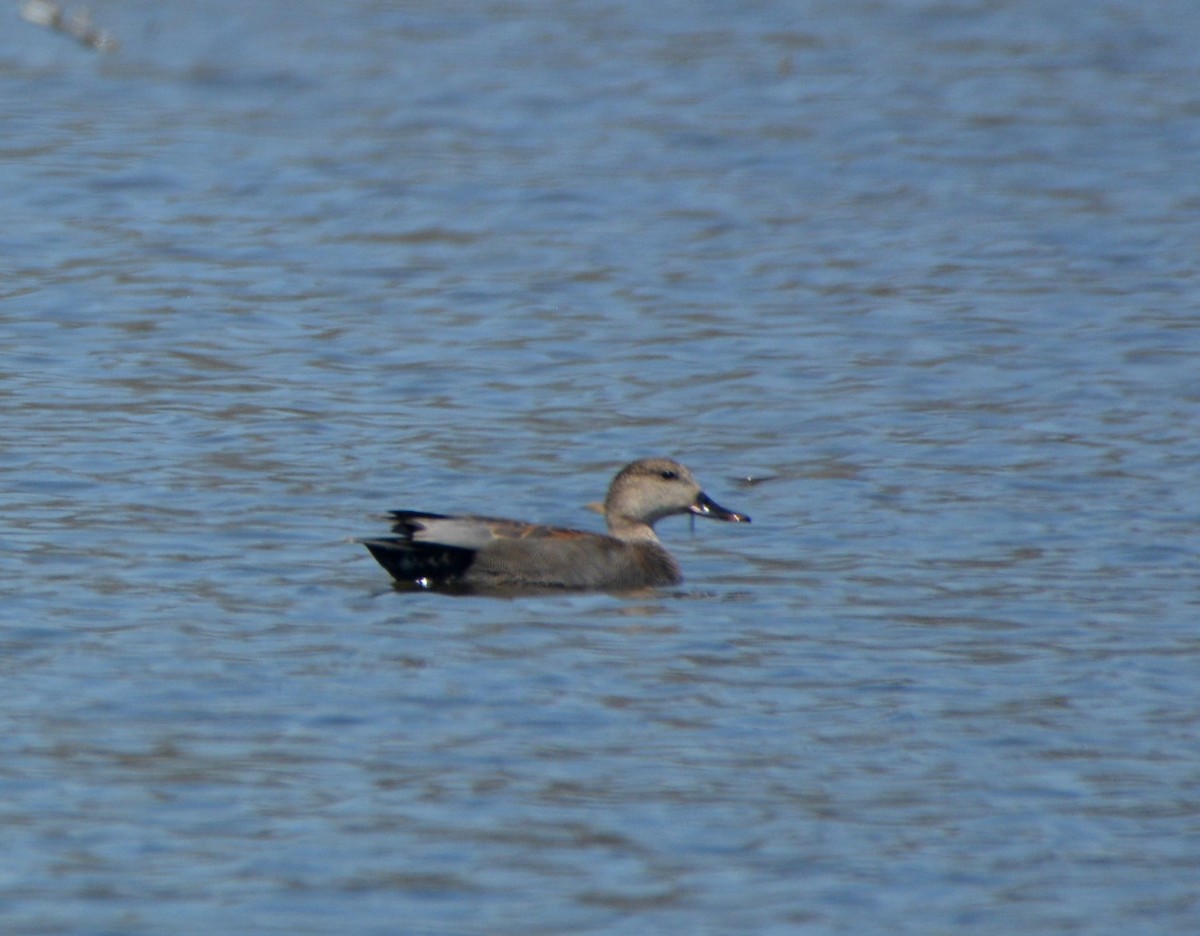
435	550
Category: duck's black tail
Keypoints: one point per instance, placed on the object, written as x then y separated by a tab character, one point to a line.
425	564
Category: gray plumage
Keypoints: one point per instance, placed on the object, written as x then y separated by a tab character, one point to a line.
436	550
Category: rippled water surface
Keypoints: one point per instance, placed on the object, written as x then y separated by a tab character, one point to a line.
913	283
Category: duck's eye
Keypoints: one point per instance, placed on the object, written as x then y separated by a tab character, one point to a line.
668	475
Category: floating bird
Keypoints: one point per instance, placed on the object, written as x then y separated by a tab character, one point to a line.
433	550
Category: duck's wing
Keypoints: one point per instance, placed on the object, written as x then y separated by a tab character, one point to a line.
471	532
436	550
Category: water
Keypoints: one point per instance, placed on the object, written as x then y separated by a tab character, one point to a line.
913	284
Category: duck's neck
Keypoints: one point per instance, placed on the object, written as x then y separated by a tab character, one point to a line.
631	531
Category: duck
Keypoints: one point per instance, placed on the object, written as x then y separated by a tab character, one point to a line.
480	553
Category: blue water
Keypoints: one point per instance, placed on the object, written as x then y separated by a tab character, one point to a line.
914	284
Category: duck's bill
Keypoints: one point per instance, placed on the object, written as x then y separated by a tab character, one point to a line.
705	506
